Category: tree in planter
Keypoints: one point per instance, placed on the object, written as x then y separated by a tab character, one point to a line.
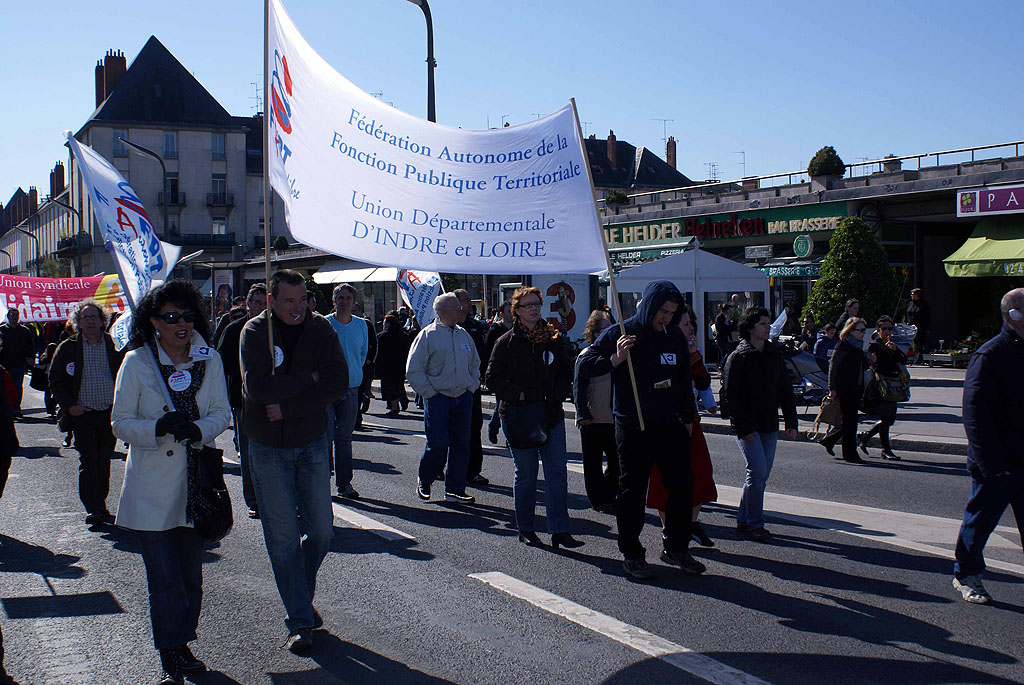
280	243
826	162
616	197
312	286
856	266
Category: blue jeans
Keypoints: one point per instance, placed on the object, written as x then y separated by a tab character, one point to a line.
446	424
759	454
174	573
343	419
988	501
293	490
556	486
242	444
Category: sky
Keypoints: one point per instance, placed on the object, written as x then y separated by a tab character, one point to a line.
775	81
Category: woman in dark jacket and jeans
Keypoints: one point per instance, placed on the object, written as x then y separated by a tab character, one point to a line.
887	361
530	364
846	382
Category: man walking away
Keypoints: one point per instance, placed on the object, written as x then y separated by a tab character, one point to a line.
993	406
286	396
661	361
255	304
355	340
477	330
82	377
18	351
444	368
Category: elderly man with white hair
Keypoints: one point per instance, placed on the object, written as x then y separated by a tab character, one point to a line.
444	367
993	405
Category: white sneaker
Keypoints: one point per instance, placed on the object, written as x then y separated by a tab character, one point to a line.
972	590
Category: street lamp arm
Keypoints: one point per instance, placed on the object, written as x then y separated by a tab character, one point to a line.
163	168
36	239
431	63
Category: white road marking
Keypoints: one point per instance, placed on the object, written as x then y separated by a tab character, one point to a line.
368	524
918	532
358	520
637	638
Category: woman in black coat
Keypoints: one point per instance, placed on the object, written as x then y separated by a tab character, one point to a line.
887	360
846	383
392	350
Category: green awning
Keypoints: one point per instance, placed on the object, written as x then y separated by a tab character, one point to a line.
995	248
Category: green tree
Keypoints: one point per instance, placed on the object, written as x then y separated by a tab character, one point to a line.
616	197
826	162
318	294
856	266
280	243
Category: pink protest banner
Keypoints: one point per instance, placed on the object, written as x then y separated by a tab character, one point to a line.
51	299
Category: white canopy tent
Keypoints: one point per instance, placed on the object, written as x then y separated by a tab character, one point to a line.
696	272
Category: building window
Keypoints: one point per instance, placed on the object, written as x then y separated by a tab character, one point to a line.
220	186
170	144
120	149
217	145
220	226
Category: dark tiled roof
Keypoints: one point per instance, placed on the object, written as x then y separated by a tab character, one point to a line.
157	89
253	142
650	171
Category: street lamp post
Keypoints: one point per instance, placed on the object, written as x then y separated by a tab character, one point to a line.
34	237
163	167
78	245
431	64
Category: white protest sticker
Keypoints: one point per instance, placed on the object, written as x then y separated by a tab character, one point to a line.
179	380
70	368
668	358
549	357
278	356
201	352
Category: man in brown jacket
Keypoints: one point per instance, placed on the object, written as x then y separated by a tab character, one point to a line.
286	396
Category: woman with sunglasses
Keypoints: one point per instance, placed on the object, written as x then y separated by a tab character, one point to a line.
887	360
530	365
846	382
170	358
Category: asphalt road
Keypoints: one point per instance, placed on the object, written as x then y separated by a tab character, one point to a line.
855	587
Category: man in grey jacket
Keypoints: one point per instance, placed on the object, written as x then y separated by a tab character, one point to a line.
444	367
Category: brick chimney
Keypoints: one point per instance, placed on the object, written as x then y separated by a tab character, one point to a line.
670	151
33	201
613	157
114	66
99	82
57	180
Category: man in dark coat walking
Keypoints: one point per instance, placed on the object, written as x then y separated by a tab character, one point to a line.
993	405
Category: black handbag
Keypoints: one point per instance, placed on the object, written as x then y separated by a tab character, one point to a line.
526	425
213	519
38	378
892	388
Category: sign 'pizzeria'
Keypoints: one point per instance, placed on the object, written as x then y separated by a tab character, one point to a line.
724	226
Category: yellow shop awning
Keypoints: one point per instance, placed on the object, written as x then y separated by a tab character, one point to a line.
995	248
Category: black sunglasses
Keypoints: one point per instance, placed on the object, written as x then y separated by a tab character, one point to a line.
171	318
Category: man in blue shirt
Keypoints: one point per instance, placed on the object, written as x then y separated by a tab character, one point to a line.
354	337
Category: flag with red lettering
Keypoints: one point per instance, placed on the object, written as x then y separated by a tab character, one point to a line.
419	288
142	259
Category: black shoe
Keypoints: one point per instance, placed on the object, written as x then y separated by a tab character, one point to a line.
828	448
254	513
422	490
492	432
741	527
347	491
888	454
94	519
565	540
67	440
178	662
855	460
478	481
609	508
862	442
639	569
460	497
392	412
530	538
759	534
698	533
300	640
685	561
189	662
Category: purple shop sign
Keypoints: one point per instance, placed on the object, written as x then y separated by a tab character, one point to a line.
1001	200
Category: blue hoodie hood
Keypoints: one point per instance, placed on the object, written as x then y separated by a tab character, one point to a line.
655	295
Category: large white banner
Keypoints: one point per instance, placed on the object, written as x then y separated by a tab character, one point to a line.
363	180
419	288
127	231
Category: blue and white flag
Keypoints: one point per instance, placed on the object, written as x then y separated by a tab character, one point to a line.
142	259
419	288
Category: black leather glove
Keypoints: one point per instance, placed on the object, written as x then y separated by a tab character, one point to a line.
187	433
170	422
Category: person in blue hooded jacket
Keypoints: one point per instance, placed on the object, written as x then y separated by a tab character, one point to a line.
661	362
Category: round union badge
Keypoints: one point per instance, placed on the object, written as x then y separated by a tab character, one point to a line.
278	356
70	368
179	380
